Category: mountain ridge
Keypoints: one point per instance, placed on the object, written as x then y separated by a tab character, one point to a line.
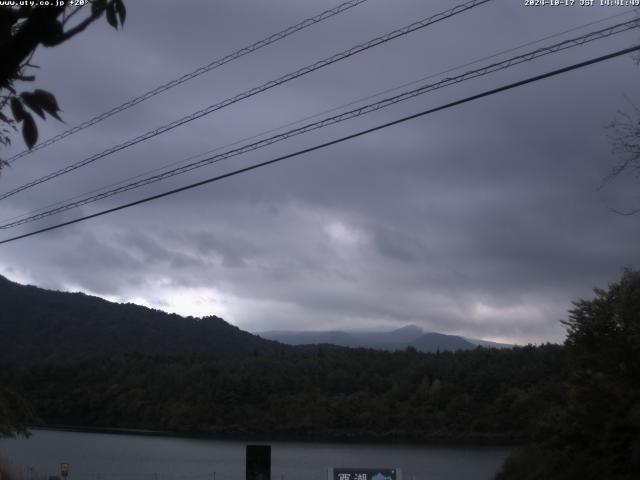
397	339
40	324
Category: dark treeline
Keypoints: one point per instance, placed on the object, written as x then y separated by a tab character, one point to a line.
594	433
479	395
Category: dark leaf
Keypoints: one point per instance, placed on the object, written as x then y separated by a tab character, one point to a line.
47	101
98	6
4	118
8	17
111	16
29	130
51	33
121	10
17	109
31	101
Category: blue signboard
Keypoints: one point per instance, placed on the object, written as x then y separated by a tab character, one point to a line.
364	474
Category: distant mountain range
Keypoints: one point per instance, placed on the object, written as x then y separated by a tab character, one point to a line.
39	324
399	339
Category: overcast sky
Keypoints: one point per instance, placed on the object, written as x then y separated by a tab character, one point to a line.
484	220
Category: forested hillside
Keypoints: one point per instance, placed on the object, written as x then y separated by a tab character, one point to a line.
39	324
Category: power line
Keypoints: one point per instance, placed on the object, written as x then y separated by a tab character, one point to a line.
193	74
529	56
339	118
334	142
254	91
316	115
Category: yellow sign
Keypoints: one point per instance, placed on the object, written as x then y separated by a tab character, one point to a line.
64	469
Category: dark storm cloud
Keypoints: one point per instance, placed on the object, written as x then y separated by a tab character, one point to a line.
482	220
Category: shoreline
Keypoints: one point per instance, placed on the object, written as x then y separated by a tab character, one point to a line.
478	441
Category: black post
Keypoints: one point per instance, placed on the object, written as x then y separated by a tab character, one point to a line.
258	462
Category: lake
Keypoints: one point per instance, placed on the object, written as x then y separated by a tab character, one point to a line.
100	456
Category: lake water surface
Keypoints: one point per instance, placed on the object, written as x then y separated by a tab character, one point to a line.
98	456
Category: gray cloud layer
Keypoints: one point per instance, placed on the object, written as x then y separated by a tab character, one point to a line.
484	220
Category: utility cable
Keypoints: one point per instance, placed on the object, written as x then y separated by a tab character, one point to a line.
191	75
256	90
529	56
478	96
310	117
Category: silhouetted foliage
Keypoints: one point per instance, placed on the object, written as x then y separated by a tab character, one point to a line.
624	137
23	28
595	431
625	140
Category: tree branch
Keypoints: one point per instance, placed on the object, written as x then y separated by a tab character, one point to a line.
80	27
